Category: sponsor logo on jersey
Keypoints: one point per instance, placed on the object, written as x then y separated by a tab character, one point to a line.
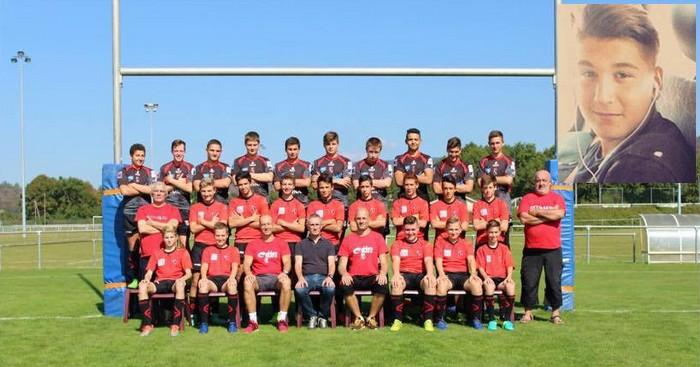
363	251
266	256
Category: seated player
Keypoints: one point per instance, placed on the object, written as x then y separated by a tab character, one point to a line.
266	266
330	210
409	205
375	207
363	266
218	273
447	207
456	268
172	267
496	269
315	266
151	219
489	208
412	262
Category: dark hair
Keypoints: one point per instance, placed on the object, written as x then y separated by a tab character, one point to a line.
243	176
219	225
493	223
449	179
177	142
251	135
487	179
287	176
374	142
329	137
452	220
412	130
364	178
136	147
326	177
495	134
454	142
620	21
292	140
214	141
410	220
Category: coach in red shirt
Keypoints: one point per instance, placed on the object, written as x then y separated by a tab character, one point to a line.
541	213
151	219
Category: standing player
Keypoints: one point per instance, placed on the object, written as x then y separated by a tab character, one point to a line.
172	267
133	183
177	175
244	212
487	209
409	205
329	209
496	269
299	169
151	219
362	266
447	207
259	167
375	207
219	269
267	265
379	170
499	165
454	166
288	215
213	168
541	213
204	217
412	262
456	268
338	166
415	162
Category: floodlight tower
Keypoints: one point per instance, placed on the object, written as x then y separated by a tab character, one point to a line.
21	58
151	108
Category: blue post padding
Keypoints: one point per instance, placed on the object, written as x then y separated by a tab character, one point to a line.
553	168
567	240
113	241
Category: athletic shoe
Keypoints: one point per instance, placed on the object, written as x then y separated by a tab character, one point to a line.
441	325
476	323
251	328
322	323
358	324
396	326
134	284
146	330
174	330
313	321
232	327
493	325
282	326
428	325
192	320
507	325
203	328
371	323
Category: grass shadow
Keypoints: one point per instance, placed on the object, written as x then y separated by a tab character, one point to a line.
100	305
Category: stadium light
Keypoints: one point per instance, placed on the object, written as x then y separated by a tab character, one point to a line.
21	58
150	109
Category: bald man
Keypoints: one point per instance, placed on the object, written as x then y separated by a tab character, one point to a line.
541	212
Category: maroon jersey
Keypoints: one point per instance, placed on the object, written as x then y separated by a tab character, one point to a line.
298	169
459	170
169	265
381	169
215	170
253	164
340	167
417	164
363	253
501	166
141	175
150	242
220	260
177	170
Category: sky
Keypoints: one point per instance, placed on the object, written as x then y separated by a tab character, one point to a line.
68	84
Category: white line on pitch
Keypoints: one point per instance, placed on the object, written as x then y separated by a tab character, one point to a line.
31	318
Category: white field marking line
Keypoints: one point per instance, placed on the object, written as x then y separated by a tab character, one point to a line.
32	318
637	311
11	277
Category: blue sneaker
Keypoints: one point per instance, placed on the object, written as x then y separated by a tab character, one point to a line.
507	325
476	323
203	328
493	325
441	325
232	328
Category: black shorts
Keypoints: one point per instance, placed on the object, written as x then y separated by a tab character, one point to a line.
219	281
267	282
131	206
368	282
130	226
412	281
164	286
196	255
143	262
497	281
241	250
458	280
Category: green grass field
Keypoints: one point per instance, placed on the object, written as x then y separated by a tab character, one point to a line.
626	314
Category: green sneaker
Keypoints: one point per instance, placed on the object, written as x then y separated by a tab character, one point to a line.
396	326
493	325
134	284
428	325
507	325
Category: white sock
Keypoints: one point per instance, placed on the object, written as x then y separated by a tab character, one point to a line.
282	316
253	316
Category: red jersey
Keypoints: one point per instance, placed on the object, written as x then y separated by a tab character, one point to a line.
169	266
363	253
495	261
255	204
412	255
404	207
443	211
548	234
267	256
206	212
164	213
484	210
220	260
454	256
333	209
289	211
374	206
